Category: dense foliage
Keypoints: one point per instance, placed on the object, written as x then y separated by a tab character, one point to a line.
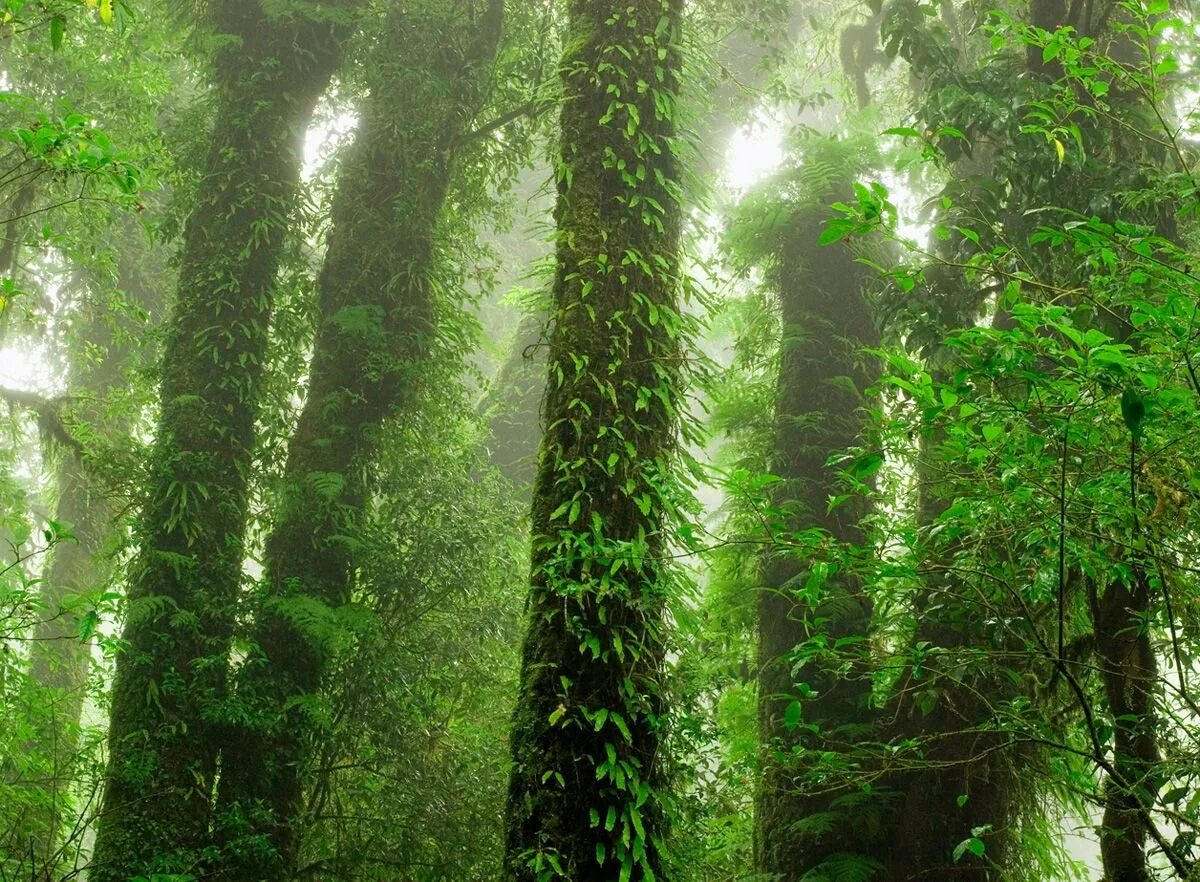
599	441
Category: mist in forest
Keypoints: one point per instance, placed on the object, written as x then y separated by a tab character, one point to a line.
595	441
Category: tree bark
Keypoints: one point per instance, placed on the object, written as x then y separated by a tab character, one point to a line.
270	71
513	404
819	413
513	407
1129	672
585	798
376	329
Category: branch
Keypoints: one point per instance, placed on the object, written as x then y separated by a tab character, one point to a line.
532	109
48	412
9	241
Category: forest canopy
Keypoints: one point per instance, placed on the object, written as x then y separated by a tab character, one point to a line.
597	441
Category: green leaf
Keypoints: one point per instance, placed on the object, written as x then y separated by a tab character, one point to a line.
835	231
951	132
1175	795
792	714
847	867
620	723
867	465
1133	410
974	845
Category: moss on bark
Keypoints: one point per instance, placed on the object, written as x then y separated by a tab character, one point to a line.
819	413
374	335
585	799
170	678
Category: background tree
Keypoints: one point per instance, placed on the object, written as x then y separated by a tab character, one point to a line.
820	414
375	332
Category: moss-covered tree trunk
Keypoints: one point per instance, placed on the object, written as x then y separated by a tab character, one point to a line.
958	775
376	328
968	771
586	798
513	404
821	705
274	63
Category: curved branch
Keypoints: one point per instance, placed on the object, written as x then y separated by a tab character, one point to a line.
48	412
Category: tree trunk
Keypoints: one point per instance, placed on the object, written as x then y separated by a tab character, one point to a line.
375	333
513	406
585	799
1129	671
819	413
88	507
959	777
270	72
513	403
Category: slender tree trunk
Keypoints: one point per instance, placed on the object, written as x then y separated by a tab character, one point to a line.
585	799
742	59
170	678
513	407
61	655
1129	672
820	412
12	222
375	333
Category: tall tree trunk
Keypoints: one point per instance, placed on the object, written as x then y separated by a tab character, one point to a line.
375	332
88	507
958	777
513	404
585	799
271	70
819	413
